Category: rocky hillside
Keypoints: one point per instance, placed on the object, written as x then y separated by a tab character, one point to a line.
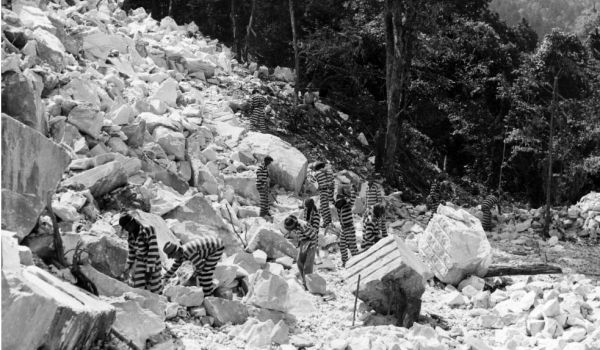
105	112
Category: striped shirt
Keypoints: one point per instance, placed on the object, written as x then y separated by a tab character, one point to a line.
196	251
434	192
314	218
262	177
258	103
143	248
489	202
306	233
373	195
374	230
345	215
347	192
322	179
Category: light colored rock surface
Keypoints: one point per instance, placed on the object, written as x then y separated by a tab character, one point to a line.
41	311
32	166
289	165
226	311
454	245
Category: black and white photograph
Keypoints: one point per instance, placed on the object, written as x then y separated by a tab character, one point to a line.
300	175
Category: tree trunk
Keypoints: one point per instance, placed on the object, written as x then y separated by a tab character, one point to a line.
235	47
296	56
546	231
248	30
400	22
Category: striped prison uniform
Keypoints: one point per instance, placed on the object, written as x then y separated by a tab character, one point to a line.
331	184
374	230
144	255
262	184
348	237
486	206
323	181
434	192
257	116
204	253
373	195
307	248
314	218
348	192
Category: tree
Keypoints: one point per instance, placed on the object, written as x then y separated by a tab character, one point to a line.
400	20
296	56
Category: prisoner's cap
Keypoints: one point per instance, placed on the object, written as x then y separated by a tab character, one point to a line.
125	220
319	165
170	248
290	222
268	159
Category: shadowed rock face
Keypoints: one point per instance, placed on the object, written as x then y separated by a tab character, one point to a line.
41	311
22	100
32	166
392	279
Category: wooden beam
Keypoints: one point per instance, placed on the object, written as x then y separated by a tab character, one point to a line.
533	269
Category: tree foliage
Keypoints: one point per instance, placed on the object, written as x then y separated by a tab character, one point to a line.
480	80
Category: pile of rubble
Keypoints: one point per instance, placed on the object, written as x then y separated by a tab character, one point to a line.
105	112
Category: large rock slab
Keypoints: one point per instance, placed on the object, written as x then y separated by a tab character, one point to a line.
163	233
172	142
392	278
32	166
10	252
39	311
101	179
225	311
244	184
289	164
136	323
271	242
454	245
50	49
268	291
21	99
184	296
87	118
199	210
164	175
110	287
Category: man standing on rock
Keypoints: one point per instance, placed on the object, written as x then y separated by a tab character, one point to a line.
348	236
203	252
307	245
325	193
435	192
374	226
143	254
263	184
486	206
258	104
373	192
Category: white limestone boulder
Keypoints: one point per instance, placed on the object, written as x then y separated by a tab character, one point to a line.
289	164
454	245
39	311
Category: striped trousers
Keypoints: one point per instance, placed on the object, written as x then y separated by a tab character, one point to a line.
204	274
487	218
154	281
348	243
324	207
264	201
258	121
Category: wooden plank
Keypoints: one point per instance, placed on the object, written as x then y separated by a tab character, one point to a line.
533	269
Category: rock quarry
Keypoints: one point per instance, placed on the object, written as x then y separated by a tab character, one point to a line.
105	112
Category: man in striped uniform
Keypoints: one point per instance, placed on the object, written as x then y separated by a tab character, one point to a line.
307	245
203	252
435	192
143	256
330	181
486	206
311	213
258	103
325	191
348	236
373	192
263	186
374	226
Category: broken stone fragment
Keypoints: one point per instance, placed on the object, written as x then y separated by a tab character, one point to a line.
225	311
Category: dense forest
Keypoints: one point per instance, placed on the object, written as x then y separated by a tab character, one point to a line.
478	93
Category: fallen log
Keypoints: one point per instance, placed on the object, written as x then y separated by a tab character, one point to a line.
533	269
